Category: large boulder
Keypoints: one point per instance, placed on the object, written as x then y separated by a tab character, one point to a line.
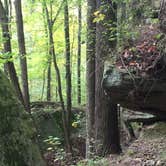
137	80
139	94
18	144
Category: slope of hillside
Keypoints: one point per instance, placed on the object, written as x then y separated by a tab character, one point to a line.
148	150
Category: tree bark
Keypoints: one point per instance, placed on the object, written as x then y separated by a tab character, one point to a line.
7	50
49	57
79	54
68	64
43	84
107	131
22	52
49	78
90	76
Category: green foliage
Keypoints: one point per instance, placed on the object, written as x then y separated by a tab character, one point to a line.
37	44
53	143
37	48
97	161
77	120
48	122
98	16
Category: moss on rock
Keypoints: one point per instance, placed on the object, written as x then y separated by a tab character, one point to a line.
18	146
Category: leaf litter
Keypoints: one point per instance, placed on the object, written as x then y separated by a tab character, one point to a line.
142	55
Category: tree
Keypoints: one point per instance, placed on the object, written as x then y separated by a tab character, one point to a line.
49	57
4	20
106	117
49	79
79	53
90	75
50	22
22	51
68	64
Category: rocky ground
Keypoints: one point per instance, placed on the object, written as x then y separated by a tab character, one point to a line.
148	150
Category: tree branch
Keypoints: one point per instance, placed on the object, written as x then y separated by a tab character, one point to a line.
58	12
46	12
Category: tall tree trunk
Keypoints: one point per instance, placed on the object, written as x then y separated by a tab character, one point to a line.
90	76
43	85
50	23
49	79
22	51
68	64
107	134
64	112
49	57
7	50
79	54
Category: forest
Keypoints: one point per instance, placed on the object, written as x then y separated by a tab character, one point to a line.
82	82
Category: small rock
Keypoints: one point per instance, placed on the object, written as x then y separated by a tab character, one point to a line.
130	162
160	163
149	163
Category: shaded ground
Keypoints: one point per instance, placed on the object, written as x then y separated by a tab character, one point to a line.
48	120
148	150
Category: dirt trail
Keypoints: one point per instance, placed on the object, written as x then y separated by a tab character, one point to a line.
148	150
